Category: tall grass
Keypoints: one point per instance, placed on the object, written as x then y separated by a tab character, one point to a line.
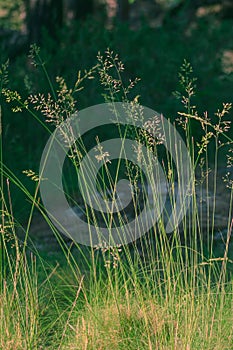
164	291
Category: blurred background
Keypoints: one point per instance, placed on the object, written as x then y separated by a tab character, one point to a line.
152	38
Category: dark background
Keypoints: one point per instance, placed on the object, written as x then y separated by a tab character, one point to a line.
151	37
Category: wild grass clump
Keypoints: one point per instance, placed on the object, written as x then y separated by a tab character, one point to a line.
162	291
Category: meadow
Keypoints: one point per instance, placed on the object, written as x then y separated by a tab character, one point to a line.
162	291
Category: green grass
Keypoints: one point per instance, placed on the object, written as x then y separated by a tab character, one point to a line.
161	292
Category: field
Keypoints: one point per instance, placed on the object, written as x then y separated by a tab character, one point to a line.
164	289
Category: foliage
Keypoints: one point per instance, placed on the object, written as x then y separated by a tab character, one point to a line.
9	14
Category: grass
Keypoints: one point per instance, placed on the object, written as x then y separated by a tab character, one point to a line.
153	54
164	291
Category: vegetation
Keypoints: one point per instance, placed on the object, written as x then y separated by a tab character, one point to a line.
165	290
